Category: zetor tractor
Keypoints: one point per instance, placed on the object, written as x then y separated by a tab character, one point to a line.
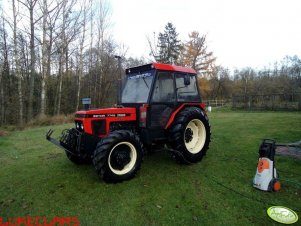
160	104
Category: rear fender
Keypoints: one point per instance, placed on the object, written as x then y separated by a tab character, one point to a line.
174	114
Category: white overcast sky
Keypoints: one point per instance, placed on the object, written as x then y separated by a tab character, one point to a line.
240	32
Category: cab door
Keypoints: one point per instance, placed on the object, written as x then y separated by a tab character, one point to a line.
162	103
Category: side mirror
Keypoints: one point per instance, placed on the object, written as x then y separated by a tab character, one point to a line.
186	80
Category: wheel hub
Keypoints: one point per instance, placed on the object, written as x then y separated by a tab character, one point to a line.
120	158
195	136
188	135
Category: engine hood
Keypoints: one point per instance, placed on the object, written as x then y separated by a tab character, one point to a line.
106	113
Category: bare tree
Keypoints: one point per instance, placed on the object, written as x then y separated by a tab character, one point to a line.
44	57
220	84
153	45
49	17
65	33
81	49
30	5
62	55
17	63
92	13
4	69
103	23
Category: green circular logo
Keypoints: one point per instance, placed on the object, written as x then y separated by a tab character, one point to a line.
282	214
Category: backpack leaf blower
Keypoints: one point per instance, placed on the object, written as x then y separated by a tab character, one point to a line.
266	175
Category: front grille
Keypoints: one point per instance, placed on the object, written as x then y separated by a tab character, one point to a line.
99	127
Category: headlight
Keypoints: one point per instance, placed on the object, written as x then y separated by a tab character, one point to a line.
79	125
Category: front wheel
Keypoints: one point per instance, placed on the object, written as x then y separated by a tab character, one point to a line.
118	156
190	135
77	159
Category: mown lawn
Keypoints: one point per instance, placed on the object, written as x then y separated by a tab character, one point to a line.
36	179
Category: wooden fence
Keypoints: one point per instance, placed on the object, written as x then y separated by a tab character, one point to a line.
276	102
217	102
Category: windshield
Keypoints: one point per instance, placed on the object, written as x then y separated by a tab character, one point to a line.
137	87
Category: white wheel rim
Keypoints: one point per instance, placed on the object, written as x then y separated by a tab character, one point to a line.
197	140
128	167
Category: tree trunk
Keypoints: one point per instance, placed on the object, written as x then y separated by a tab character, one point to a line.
62	60
4	71
44	60
90	52
2	101
1	96
32	64
81	61
17	66
60	85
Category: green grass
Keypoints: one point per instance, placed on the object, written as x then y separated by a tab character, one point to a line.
36	179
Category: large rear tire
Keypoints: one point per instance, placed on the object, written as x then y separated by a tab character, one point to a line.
189	135
118	156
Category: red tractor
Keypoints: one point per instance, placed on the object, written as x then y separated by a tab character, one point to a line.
160	104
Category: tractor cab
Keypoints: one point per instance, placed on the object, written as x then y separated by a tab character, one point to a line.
157	91
160	83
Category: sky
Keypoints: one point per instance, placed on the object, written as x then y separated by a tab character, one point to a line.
241	33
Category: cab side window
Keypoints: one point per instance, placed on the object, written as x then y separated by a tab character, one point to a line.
164	88
186	88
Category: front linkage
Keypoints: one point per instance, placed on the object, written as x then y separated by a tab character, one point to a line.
79	147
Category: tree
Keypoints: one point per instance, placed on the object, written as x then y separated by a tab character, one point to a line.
30	5
220	83
49	17
17	63
195	54
133	62
44	56
81	49
65	36
4	70
168	45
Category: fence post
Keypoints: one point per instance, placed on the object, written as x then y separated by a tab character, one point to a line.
250	102
299	94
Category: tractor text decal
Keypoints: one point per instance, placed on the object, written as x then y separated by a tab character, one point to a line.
144	75
102	115
111	115
40	221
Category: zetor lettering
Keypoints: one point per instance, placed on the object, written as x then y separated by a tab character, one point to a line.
159	106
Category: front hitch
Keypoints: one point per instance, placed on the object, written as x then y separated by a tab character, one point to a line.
75	142
52	140
69	140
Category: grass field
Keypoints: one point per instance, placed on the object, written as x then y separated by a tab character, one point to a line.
36	179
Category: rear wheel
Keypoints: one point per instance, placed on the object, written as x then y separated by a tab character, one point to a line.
118	156
190	135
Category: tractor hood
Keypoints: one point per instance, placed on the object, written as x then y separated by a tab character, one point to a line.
107	113
100	121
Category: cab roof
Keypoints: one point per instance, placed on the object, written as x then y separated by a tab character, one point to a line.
163	67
